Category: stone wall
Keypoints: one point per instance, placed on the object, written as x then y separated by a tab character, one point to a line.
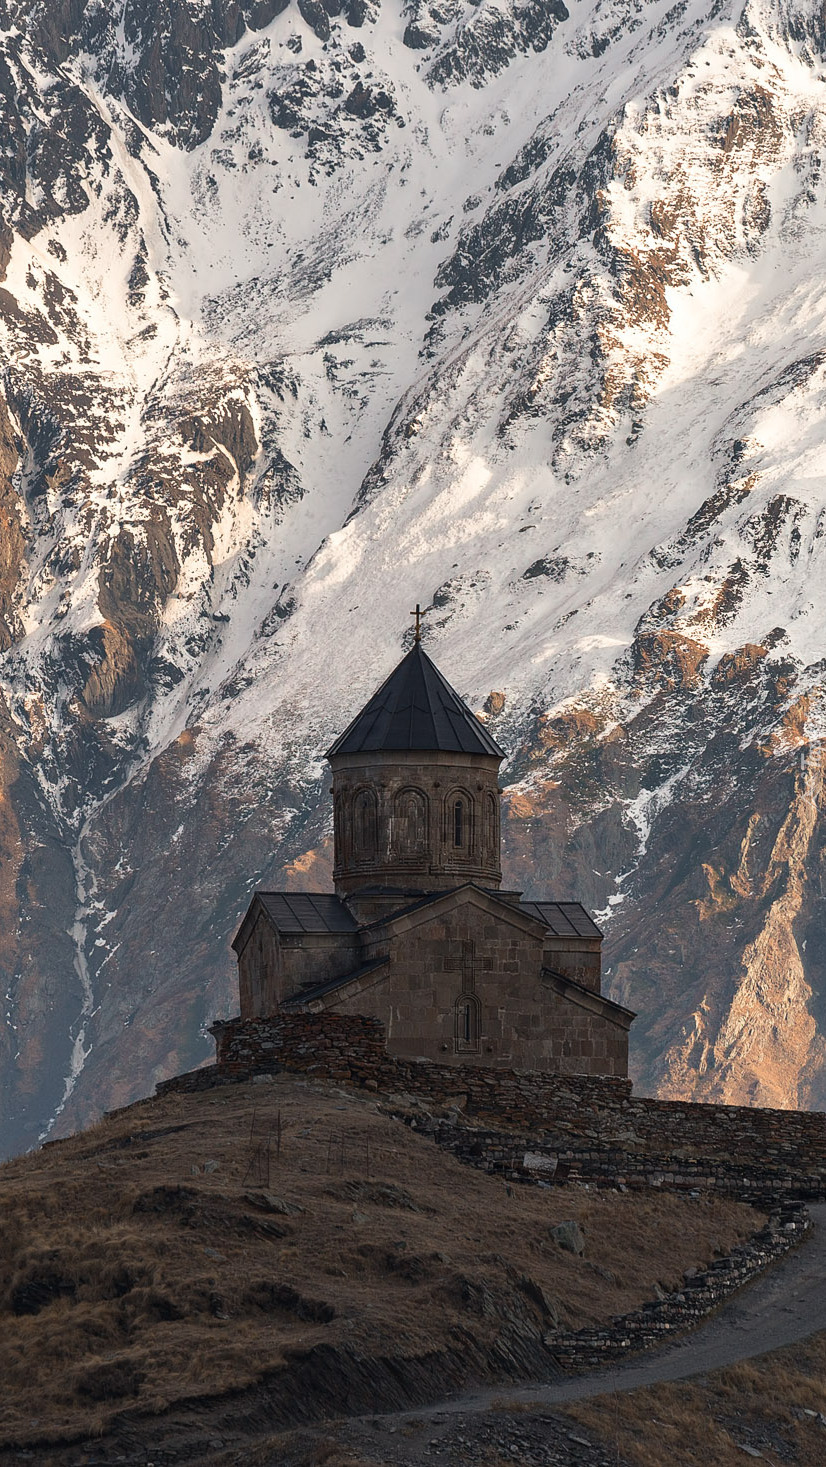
565	1152
462	954
703	1291
345	1047
539	1127
335	1046
272	966
576	958
578	1040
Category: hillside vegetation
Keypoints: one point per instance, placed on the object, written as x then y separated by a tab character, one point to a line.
156	1285
773	1407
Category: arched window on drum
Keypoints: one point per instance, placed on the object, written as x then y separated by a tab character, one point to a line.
459	823
365	825
410	823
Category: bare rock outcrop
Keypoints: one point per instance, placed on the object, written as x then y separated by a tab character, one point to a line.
274	371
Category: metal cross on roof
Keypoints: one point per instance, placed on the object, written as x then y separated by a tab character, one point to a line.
416	708
418	615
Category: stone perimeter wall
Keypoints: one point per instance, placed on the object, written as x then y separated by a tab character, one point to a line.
703	1291
579	1125
559	1127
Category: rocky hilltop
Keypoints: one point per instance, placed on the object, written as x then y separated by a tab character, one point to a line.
314	309
198	1274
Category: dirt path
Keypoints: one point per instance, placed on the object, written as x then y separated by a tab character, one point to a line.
787	1304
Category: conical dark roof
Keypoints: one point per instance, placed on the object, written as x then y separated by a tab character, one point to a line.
416	708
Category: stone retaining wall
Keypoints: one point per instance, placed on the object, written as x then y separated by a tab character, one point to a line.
541	1126
351	1048
662	1319
554	1160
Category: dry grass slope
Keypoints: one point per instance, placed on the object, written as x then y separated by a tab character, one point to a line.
774	1405
142	1265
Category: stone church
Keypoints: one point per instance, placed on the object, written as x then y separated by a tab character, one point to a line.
419	932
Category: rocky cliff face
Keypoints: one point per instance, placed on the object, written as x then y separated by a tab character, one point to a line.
311	311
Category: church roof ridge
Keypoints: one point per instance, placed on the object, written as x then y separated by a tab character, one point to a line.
312	991
299	911
528	910
416	709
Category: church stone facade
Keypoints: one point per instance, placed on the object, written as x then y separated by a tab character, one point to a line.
419	932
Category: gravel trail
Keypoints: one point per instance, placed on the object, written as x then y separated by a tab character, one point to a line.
786	1304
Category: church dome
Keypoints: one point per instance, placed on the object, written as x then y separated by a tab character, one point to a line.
416	709
415	788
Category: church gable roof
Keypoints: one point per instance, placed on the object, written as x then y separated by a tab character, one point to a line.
585	998
297	911
563	919
433	906
307	911
313	992
416	709
560	919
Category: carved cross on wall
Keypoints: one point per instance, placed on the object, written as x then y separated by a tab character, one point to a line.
465	965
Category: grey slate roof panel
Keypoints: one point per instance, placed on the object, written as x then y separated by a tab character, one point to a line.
416	709
303	911
563	919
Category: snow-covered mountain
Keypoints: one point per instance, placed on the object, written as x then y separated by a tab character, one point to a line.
311	311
